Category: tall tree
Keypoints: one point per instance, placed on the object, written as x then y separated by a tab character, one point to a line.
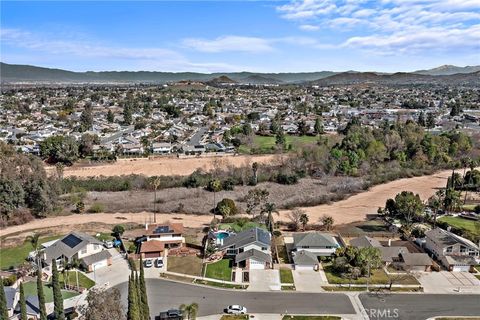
133	311
41	295
143	294
190	310
57	293
318	127
3	302
86	118
110	116
255	173
23	303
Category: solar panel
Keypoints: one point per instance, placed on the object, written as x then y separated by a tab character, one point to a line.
161	229
71	240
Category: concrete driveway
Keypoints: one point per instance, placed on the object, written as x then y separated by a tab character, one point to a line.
112	275
308	280
264	280
447	282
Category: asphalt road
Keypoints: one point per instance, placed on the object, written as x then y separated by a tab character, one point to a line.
164	295
419	306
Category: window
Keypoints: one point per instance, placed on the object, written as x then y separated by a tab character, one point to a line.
83	251
449	249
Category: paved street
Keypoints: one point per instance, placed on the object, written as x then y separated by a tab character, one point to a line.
164	294
419	306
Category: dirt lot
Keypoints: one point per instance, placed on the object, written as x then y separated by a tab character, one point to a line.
349	210
200	201
161	165
357	207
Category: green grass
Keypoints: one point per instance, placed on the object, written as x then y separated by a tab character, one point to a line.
460	223
262	144
105	236
282	253
477	276
222	285
377	277
83	280
31	290
333	288
220	270
289	317
288	288
15	256
286	276
190	265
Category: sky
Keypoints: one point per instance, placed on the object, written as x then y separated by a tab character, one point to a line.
226	36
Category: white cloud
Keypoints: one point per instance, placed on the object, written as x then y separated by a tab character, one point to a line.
229	43
309	27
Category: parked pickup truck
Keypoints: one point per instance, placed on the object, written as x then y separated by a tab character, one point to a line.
172	314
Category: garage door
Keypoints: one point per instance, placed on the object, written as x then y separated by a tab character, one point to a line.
461	268
300	267
256	265
99	264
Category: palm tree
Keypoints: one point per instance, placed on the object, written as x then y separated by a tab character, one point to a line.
269	208
327	222
472	164
34	241
190	310
304	220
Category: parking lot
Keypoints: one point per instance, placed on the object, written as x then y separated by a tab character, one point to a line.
447	282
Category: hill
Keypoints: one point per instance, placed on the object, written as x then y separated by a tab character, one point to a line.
448	70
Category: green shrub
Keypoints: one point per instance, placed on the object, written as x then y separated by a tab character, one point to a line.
9	281
96	208
226	208
287	178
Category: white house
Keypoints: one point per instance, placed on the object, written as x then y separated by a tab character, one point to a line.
454	252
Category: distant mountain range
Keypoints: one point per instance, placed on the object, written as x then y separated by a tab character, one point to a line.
447	73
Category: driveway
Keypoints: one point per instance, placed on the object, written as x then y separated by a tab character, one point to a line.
112	275
447	282
264	280
308	280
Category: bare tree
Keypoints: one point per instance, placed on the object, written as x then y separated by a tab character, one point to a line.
295	217
104	304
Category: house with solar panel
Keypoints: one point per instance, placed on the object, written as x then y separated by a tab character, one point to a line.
159	237
250	249
78	246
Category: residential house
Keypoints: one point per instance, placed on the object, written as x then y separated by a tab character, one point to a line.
159	237
454	252
12	296
251	249
308	246
78	246
161	148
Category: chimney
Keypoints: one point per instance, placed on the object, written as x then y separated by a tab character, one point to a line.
146	226
389	242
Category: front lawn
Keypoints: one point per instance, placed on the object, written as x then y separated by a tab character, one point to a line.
460	223
30	289
377	277
15	256
266	144
191	265
83	280
286	276
221	270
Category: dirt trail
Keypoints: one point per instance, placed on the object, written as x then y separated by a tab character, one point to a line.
349	210
161	165
357	207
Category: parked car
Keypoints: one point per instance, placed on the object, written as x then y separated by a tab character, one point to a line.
148	263
172	314
108	244
236	309
159	263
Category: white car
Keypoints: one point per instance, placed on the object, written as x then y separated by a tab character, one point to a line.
148	263
159	263
108	244
236	309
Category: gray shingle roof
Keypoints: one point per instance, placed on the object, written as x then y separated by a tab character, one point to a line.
253	253
247	237
416	259
446	238
10	296
97	257
69	245
365	242
305	258
388	253
314	239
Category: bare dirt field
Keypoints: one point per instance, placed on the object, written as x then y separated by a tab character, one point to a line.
354	208
357	207
166	166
